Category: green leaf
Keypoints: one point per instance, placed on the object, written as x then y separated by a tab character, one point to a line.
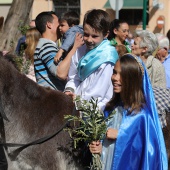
92	126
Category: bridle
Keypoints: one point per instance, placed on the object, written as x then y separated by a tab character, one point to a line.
16	152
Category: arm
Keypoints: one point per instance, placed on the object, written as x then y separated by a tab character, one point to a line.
111	133
73	78
58	56
63	66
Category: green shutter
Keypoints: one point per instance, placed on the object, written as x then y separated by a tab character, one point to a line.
107	5
128	4
133	4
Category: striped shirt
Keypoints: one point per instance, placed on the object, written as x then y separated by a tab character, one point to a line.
45	69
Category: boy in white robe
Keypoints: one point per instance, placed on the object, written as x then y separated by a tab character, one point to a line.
92	64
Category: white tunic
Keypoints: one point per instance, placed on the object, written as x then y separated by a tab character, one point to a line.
97	85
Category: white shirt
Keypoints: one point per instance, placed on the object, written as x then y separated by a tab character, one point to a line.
97	85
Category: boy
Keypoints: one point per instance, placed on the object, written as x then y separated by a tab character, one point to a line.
69	26
92	64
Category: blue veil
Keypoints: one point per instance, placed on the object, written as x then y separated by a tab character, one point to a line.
140	142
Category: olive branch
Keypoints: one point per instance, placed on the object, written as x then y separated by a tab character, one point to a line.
92	126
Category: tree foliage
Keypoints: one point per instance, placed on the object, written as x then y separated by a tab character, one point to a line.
19	11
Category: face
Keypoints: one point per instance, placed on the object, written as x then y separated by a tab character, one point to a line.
122	32
161	54
54	25
136	49
116	78
92	38
63	27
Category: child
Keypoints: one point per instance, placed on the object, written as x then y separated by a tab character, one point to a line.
134	138
92	64
121	50
69	26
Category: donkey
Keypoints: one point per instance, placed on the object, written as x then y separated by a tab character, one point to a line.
34	112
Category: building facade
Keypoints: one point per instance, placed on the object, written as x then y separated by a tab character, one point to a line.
157	13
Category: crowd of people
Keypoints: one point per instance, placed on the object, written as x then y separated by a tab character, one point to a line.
100	59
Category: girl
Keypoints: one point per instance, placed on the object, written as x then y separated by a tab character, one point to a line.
135	127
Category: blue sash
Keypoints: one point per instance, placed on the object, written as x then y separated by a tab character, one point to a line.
95	58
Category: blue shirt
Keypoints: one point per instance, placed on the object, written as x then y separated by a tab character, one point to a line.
166	64
20	45
69	37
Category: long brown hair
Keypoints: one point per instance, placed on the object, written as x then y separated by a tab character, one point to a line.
32	37
131	94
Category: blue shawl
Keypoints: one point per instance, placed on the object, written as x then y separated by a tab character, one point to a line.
95	58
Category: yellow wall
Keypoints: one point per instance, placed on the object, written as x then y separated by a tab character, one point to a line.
155	13
85	5
5	1
4	11
40	6
164	10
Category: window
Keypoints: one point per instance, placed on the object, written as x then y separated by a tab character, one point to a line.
132	11
132	16
62	6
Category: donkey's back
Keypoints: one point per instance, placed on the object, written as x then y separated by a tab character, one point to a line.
34	112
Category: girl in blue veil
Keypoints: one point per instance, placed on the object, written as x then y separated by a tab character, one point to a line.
134	139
